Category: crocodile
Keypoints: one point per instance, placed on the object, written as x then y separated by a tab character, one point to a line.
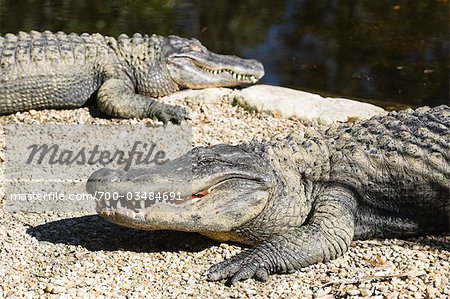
45	70
300	199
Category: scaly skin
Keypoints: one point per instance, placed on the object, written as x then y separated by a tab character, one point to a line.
47	70
302	199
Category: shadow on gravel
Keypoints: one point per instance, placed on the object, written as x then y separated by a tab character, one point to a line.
436	242
94	111
94	233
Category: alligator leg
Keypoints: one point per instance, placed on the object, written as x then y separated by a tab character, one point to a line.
326	236
117	98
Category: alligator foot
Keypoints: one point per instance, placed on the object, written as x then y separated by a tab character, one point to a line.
167	113
240	267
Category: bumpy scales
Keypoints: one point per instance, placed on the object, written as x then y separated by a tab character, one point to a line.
47	70
302	199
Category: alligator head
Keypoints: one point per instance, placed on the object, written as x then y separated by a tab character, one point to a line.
217	190
192	65
161	65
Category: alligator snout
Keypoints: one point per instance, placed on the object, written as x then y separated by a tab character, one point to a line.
101	179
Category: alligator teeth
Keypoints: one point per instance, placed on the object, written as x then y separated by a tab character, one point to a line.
148	203
236	76
118	204
105	202
139	204
113	203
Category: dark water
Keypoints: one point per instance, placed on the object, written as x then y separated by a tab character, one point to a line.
392	53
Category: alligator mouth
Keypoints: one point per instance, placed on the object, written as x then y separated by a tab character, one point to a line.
196	197
136	202
234	75
202	70
217	208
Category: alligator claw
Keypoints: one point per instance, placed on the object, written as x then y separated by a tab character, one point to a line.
173	114
240	267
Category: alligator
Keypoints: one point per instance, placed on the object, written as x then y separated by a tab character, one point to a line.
45	70
300	199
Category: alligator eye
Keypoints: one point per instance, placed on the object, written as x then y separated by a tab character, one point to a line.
200	194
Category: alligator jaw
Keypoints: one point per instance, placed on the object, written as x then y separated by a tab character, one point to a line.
221	210
208	200
205	69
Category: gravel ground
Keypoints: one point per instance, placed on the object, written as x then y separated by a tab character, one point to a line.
83	256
